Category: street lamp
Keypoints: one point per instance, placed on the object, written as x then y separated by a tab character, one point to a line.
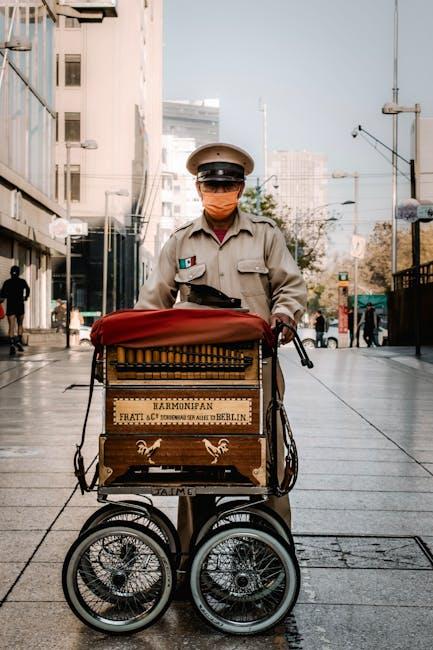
260	186
108	193
86	144
393	108
13	44
355	176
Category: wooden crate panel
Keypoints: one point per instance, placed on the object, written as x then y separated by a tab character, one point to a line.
183	410
119	453
189	364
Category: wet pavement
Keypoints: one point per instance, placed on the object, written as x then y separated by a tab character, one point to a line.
362	506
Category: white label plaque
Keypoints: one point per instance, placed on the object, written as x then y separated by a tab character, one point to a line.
184	411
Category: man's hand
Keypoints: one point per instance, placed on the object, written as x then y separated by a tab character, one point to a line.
286	334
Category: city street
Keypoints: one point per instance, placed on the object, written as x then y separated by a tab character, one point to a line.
362	506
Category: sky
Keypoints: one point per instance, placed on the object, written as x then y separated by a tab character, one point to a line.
321	66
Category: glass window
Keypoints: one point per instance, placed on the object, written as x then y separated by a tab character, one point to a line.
57	127
72	70
72	127
56	183
57	69
72	23
75	182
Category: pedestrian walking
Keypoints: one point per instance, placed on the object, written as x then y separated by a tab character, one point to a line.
59	315
15	291
350	324
319	326
242	255
376	331
369	321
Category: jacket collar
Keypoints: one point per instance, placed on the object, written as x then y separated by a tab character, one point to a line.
241	222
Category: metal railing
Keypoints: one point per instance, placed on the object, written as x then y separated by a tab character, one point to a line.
407	279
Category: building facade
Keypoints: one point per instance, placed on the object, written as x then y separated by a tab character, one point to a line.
186	126
27	131
198	119
302	180
109	84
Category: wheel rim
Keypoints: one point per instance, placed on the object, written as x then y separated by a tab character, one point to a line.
244	580
129	577
135	512
251	515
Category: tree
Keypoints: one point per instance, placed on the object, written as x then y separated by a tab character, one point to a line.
311	228
375	268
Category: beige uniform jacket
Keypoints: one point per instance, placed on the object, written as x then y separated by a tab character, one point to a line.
252	263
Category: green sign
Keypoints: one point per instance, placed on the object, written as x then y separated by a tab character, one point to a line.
425	212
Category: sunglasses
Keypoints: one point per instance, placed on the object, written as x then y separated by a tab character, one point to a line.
219	186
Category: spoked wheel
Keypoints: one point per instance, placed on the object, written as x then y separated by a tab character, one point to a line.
118	577
140	513
258	515
244	579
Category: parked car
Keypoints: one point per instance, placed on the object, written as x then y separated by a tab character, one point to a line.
85	336
308	337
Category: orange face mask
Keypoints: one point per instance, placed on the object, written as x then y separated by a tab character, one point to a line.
220	205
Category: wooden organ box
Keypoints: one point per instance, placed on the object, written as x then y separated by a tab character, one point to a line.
183	415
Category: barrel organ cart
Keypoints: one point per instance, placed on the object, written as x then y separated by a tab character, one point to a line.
185	416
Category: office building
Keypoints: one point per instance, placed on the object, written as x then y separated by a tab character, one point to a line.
302	180
27	128
186	126
109	81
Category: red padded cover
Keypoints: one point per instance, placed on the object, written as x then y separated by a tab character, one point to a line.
141	328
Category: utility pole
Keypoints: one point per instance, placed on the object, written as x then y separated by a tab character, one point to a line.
355	232
416	239
258	195
394	149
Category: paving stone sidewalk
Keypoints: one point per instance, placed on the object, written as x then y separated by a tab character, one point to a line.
362	507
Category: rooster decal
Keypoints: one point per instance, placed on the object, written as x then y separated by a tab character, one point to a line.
146	451
218	451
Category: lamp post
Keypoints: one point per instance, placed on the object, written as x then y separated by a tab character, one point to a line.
86	144
259	187
108	193
394	109
355	177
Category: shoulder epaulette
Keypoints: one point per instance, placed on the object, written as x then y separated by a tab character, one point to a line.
185	225
260	218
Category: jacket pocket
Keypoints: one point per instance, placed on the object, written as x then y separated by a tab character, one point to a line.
253	277
193	273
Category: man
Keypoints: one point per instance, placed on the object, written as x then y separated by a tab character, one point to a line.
319	326
369	320
351	324
242	255
16	291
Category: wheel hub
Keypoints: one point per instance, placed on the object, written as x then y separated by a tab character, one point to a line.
242	580
119	578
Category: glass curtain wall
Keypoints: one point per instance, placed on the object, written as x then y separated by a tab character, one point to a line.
27	118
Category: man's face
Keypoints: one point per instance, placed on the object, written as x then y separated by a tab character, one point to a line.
219	187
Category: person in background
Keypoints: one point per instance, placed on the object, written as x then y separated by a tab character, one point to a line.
350	324
76	321
376	331
319	326
15	291
59	313
369	320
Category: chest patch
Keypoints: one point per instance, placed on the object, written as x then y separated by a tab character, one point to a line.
187	262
